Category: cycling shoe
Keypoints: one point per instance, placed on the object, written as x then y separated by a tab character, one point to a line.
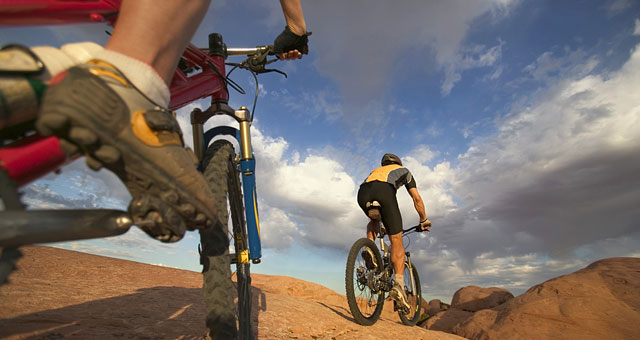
369	258
94	109
398	295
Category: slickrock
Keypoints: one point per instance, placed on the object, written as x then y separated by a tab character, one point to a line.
60	294
474	298
599	302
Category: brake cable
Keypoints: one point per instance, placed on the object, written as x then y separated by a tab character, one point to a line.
255	64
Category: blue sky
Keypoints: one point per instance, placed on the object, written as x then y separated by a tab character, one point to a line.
519	119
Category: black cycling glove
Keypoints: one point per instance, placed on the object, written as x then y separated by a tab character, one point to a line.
289	41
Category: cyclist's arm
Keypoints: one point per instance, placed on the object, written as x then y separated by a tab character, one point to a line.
417	203
292	10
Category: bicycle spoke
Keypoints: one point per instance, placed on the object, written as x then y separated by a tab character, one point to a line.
414	296
363	288
367	299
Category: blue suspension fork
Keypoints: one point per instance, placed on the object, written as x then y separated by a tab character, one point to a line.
247	166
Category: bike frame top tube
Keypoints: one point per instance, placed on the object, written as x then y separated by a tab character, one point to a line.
184	89
55	12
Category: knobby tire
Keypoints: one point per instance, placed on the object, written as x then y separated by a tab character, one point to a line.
10	200
359	304
241	245
415	298
222	177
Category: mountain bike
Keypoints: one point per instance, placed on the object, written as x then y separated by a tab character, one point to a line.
26	156
368	282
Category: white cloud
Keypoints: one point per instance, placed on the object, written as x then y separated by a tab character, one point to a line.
422	154
374	34
618	6
314	192
277	230
312	105
555	173
554	189
473	57
571	65
434	186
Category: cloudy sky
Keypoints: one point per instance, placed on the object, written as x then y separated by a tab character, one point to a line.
519	119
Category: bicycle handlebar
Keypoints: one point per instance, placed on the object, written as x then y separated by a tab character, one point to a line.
256	61
247	51
415	229
268	49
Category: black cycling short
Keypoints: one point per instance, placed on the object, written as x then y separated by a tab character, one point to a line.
385	194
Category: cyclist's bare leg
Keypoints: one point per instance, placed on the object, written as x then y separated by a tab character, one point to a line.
372	230
397	254
397	259
113	110
157	32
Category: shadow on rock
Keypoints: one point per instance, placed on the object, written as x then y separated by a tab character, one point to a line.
150	313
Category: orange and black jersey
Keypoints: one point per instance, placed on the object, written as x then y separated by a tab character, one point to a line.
393	174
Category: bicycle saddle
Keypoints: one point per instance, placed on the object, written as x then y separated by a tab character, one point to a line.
373	210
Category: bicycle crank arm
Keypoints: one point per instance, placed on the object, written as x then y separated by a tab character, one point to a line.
19	228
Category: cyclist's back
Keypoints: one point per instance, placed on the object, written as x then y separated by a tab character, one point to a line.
381	185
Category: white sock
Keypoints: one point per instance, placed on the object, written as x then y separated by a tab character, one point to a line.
400	279
141	74
57	60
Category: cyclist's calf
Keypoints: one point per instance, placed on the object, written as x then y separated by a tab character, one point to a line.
397	253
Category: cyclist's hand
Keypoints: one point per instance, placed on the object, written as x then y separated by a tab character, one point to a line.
425	225
291	55
290	46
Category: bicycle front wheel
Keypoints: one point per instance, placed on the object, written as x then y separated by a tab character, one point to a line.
222	177
414	296
364	297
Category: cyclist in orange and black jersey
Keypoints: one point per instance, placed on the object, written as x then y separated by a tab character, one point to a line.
381	185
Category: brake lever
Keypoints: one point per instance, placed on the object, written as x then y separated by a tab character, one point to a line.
257	63
267	70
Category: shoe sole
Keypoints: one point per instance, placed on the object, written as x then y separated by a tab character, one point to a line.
398	298
159	206
368	260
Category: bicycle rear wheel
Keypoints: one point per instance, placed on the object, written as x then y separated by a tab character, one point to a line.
222	177
414	296
364	296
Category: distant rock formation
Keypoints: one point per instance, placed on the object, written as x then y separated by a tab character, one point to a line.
474	298
599	302
445	321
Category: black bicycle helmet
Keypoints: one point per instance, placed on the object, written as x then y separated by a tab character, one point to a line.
390	158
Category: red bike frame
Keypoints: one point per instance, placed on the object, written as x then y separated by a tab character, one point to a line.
36	156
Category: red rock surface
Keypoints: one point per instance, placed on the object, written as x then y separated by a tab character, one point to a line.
474	298
61	294
599	302
445	321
